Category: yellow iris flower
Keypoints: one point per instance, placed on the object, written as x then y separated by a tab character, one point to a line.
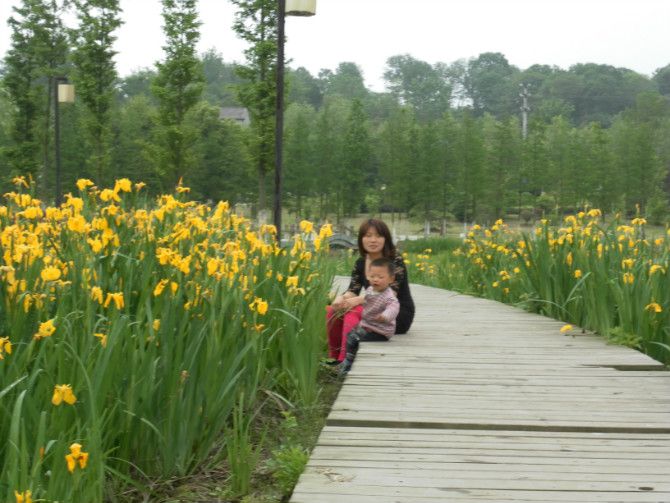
5	347
76	456
306	226
46	329
63	393
82	183
653	307
50	273
103	339
23	497
117	298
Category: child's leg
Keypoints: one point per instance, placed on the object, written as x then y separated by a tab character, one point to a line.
350	320
354	338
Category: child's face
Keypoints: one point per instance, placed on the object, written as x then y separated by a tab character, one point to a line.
379	278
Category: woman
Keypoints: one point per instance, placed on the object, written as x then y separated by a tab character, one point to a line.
344	314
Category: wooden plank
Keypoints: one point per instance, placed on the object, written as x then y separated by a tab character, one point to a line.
484	402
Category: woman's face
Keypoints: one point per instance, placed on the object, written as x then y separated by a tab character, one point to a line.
373	242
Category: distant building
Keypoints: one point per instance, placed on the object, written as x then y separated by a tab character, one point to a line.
240	115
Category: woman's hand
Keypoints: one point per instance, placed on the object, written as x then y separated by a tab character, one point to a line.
338	303
351	302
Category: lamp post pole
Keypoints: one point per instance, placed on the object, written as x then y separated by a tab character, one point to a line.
279	117
57	80
63	93
284	8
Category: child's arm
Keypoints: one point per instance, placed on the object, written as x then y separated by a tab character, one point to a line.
390	311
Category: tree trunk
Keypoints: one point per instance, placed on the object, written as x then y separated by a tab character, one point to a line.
262	202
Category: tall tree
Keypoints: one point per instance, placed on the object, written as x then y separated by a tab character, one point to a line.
329	147
427	184
662	80
347	82
178	87
95	76
256	22
471	183
304	88
447	168
37	54
562	164
221	80
396	155
637	134
491	84
603	184
502	163
224	170
134	124
356	159
137	83
417	84
300	178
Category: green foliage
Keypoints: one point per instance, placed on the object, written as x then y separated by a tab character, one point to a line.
443	139
491	85
287	464
303	88
223	171
299	180
95	77
355	168
37	54
256	22
418	84
435	245
171	368
178	88
289	459
220	80
609	278
346	82
618	335
243	451
662	80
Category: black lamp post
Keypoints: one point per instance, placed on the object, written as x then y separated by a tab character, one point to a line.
63	93
285	8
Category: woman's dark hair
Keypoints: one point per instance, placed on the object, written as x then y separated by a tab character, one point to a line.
383	230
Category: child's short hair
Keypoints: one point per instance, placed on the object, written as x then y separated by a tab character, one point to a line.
384	262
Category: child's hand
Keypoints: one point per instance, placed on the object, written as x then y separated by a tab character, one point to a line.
380	318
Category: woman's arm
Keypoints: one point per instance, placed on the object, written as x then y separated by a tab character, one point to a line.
400	282
347	300
353	296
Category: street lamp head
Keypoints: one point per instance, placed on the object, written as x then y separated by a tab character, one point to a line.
300	7
65	93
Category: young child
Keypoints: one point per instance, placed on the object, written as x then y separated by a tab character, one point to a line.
379	310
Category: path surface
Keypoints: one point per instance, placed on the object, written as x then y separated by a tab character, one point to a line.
485	402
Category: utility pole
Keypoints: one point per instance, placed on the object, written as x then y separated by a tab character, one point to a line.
524	94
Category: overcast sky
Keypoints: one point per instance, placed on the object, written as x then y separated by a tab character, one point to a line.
624	33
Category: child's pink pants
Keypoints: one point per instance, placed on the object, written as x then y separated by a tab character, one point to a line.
338	327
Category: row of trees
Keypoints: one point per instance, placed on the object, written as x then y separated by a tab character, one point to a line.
44	50
444	140
477	168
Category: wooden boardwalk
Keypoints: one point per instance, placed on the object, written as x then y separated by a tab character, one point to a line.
483	402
